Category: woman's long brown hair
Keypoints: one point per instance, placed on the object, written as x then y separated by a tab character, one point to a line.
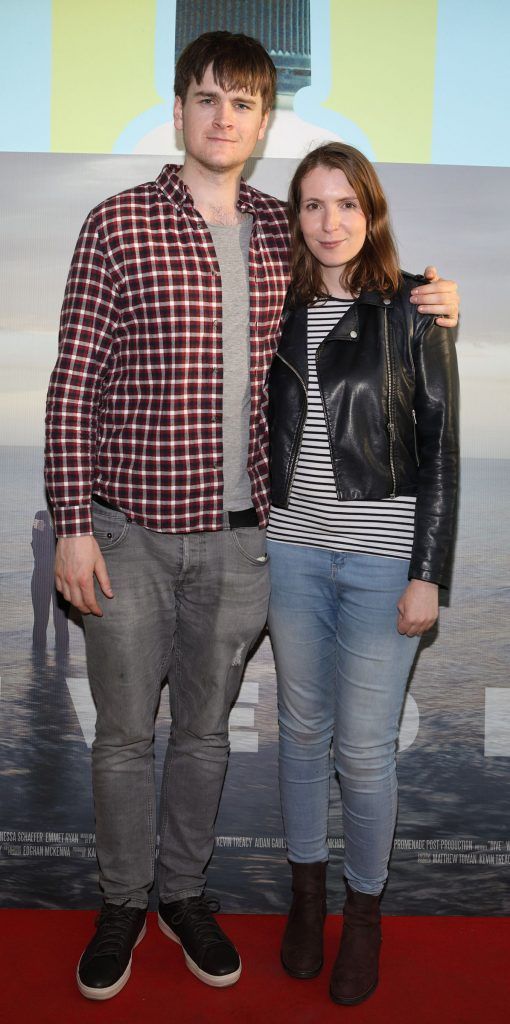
375	267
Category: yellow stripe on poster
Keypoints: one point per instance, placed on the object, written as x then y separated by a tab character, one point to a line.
103	71
382	73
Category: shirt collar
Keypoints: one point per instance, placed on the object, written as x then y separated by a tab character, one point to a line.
171	184
245	202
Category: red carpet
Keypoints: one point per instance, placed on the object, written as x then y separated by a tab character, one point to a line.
434	970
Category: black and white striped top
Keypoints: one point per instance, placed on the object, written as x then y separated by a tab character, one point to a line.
315	516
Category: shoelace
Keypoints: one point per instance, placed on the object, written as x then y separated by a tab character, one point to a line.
113	929
198	914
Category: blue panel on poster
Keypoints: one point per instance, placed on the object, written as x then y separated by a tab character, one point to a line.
472	94
25	74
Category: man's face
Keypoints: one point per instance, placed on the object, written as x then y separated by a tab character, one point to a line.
220	128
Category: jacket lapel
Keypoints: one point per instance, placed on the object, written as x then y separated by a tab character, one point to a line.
292	345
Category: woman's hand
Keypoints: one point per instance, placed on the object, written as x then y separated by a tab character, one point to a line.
418	608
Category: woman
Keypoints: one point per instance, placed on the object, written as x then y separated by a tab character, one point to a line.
364	440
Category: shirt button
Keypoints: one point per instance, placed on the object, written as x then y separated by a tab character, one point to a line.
387	302
354	334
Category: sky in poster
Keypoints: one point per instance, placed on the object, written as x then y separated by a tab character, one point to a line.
434	87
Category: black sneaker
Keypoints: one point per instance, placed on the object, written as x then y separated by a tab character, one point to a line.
209	953
105	965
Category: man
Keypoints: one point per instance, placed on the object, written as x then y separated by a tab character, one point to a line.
168	327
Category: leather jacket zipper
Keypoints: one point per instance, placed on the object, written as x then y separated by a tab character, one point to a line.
391	423
321	392
417	457
301	426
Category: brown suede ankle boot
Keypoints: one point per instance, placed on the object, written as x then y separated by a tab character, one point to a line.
356	968
301	952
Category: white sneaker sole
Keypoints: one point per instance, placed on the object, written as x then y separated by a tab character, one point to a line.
113	990
217	981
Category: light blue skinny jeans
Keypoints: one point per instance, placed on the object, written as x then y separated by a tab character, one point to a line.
342	669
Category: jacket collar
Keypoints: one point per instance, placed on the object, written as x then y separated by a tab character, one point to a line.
374	299
293	341
348	326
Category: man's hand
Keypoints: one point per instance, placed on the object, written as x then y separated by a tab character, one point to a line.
440	298
418	608
77	561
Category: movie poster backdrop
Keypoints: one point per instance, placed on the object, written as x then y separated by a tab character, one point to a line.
69	138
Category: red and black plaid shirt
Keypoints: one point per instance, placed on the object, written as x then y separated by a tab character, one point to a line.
134	409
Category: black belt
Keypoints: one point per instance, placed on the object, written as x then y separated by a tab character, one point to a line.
245	517
236	520
106	504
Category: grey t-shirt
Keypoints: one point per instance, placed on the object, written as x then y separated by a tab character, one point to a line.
232	246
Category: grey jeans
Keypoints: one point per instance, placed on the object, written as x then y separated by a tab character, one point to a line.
190	605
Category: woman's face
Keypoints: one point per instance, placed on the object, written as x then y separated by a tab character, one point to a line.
333	224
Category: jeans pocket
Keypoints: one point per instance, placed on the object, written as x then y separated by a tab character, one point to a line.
110	527
251	543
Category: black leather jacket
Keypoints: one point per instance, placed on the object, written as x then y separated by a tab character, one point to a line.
389	385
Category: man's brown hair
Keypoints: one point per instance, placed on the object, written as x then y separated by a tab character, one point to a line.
238	62
376	265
